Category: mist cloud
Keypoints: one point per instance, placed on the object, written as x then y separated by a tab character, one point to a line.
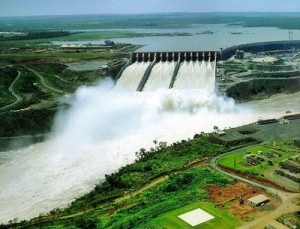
98	134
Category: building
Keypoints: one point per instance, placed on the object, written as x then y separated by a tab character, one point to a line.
262	121
239	54
258	200
291	116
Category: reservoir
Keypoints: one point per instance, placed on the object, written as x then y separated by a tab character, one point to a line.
197	37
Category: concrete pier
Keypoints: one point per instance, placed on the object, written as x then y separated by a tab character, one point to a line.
174	56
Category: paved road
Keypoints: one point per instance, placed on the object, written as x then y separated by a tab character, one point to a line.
43	81
11	89
62	79
286	206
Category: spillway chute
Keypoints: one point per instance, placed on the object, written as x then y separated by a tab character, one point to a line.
160	76
132	75
178	70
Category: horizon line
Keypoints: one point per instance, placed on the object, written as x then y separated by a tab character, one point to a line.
152	13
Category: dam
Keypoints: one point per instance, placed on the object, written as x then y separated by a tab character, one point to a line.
287	46
167	70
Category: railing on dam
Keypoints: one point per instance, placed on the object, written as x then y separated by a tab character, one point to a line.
173	56
261	47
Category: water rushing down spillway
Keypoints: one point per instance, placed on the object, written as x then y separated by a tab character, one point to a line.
190	75
132	75
161	76
196	75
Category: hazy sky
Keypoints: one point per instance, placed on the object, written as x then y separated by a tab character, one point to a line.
66	7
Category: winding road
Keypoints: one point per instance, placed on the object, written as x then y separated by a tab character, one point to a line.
43	81
287	206
18	97
61	79
11	89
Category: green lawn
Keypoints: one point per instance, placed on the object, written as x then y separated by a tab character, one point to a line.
236	160
222	218
261	148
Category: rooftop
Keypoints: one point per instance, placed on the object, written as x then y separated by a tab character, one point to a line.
258	199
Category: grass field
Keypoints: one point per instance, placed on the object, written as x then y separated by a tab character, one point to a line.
236	160
222	218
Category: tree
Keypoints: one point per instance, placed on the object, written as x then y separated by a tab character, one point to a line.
86	223
241	200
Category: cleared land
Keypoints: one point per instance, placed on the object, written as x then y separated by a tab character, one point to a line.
233	198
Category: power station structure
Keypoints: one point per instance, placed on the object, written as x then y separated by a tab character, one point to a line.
287	46
148	71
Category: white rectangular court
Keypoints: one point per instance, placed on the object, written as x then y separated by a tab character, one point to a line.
196	217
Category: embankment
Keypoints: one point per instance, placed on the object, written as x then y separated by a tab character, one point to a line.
262	88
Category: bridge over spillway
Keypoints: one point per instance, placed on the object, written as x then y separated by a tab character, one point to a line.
148	71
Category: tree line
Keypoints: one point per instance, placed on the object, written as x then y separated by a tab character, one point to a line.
35	35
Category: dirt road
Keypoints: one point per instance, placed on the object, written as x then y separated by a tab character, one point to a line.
286	206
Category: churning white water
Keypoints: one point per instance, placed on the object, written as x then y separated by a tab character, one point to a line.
160	76
99	133
132	75
196	75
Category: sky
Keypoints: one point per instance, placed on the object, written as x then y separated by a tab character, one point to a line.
69	7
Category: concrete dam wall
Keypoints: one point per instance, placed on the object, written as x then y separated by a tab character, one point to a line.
261	47
166	70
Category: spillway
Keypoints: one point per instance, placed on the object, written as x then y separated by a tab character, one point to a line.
132	75
195	75
166	70
160	76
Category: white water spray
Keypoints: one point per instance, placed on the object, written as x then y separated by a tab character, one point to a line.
132	75
161	76
196	75
101	132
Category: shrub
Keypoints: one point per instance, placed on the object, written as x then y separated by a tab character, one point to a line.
86	223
